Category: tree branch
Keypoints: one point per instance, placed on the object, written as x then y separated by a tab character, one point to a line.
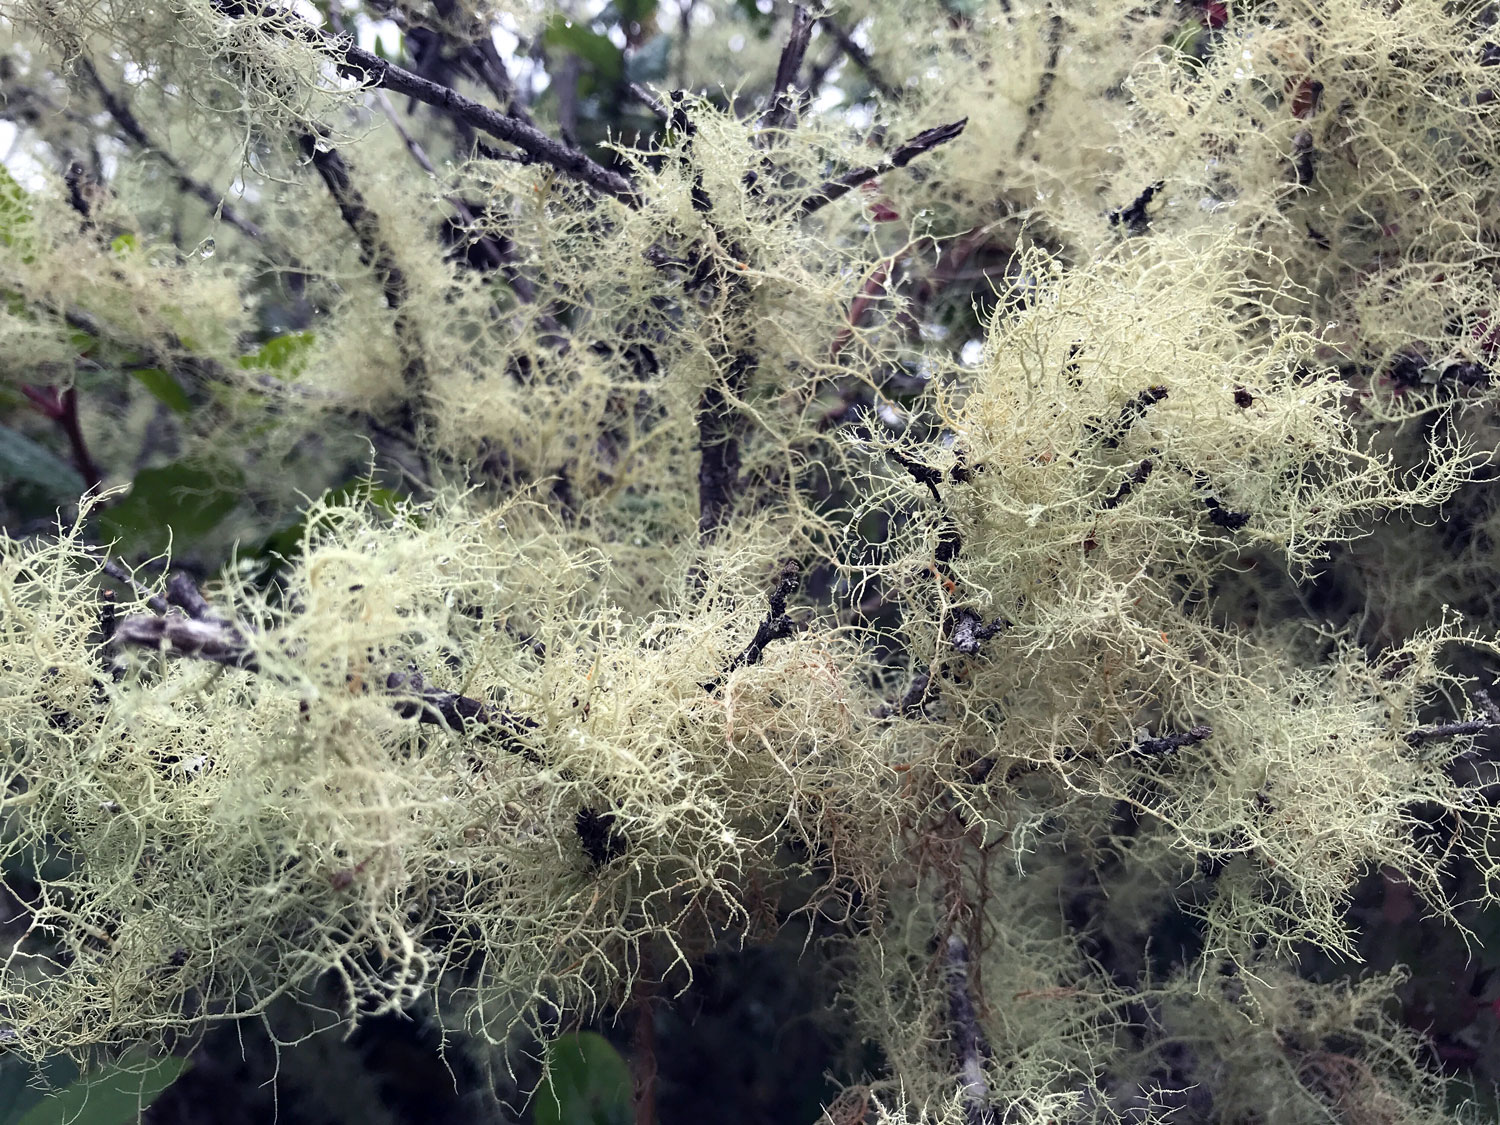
354	61
785	94
968	1038
197	631
923	142
776	626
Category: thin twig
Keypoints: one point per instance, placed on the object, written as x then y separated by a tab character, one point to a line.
785	93
376	253
116	570
649	100
493	257
860	58
720	425
840	186
486	62
356	215
354	61
130	125
776	625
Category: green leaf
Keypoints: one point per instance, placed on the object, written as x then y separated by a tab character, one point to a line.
627	12
23	1084
165	388
123	244
22	459
182	499
14	212
115	1097
607	60
587	1083
283	355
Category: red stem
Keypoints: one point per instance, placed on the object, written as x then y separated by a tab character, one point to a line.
62	408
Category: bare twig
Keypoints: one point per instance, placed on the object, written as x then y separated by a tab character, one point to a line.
785	92
840	186
921	473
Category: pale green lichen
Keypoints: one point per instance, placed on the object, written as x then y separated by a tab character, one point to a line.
1189	398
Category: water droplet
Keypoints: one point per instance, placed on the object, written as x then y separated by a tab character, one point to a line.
206	248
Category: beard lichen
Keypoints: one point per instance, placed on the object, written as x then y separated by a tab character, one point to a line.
1052	688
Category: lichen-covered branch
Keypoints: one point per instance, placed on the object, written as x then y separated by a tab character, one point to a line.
900	157
356	62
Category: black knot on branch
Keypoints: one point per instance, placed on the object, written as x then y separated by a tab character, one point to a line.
1223	517
774	627
1111	434
921	473
968	631
1171	743
1218	514
1135	216
599	834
